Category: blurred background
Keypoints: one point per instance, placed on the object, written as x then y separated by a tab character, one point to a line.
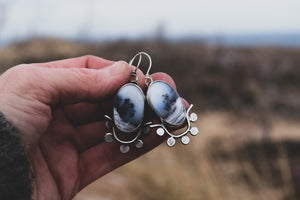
237	61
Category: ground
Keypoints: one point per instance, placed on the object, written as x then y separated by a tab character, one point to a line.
247	100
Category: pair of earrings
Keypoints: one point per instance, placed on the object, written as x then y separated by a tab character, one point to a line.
129	106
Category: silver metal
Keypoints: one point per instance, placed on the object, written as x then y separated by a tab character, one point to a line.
124	148
134	77
148	79
162	128
185	140
180	135
171	141
193	117
160	131
139	144
109	137
123	141
108	124
146	129
168	125
116	137
142	93
194	131
140	59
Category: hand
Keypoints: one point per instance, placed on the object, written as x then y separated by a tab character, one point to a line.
58	108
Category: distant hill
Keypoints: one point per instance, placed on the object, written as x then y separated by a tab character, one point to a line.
238	40
250	80
247	40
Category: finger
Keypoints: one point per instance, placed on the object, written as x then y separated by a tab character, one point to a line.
185	103
83	113
103	158
74	85
156	76
80	115
164	77
88	61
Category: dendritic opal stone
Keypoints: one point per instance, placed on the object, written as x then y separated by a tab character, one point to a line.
166	102
128	108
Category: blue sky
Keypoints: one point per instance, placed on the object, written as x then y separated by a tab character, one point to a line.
104	19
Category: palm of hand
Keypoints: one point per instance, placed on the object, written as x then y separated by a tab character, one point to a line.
65	133
71	153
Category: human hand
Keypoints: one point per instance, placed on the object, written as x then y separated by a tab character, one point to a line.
58	108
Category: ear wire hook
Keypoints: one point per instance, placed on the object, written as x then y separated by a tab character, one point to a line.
148	79
134	77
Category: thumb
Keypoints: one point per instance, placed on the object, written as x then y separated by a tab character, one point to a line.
73	85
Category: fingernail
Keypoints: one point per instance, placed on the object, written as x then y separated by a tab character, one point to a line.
117	68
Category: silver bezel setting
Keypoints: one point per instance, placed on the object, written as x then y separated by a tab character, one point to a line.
181	135
151	106
109	137
142	93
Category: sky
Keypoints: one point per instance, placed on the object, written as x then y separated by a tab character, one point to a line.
108	19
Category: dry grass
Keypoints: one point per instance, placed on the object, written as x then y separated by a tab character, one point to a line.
249	112
218	164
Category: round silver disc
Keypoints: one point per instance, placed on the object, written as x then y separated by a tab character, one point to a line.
185	140
171	142
160	131
124	148
109	137
139	144
193	117
194	131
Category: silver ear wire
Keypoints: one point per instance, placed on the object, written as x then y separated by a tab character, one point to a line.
134	77
128	111
148	79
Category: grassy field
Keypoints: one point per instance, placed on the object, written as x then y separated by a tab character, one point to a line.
249	121
228	160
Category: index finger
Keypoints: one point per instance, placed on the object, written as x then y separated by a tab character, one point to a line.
88	61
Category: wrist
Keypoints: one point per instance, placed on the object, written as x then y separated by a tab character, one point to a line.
15	173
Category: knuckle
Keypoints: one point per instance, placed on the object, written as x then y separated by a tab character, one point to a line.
21	78
18	72
84	75
122	62
89	56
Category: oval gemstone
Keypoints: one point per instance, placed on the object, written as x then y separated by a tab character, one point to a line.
128	108
166	102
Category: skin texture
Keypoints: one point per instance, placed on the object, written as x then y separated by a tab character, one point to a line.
58	107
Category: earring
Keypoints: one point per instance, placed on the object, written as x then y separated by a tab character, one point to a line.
168	106
128	114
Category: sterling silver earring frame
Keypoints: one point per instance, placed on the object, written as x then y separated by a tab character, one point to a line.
128	113
168	106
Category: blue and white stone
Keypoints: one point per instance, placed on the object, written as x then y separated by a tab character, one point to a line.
166	102
128	108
